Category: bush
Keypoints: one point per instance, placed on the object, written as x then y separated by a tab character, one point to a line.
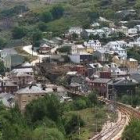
72	122
131	131
42	26
46	17
2	43
80	104
2	68
57	12
93	98
19	32
64	49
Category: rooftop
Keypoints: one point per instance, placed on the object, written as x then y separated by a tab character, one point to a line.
9	51
26	64
34	89
101	80
22	70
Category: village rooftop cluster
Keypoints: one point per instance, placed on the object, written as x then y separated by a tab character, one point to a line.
77	62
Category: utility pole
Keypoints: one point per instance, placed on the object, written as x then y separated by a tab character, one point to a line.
131	97
79	123
96	125
112	95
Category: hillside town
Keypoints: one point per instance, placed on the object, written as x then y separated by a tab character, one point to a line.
70	67
77	84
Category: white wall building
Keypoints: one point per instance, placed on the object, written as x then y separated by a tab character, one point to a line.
77	30
94	44
116	44
117	47
138	28
132	31
76	49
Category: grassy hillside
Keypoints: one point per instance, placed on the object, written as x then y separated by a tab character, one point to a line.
76	13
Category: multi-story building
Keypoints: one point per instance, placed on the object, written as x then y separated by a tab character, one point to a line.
92	45
22	79
117	47
25	95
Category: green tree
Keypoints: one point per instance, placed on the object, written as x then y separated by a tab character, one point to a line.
74	36
93	98
2	68
80	104
131	131
19	32
42	26
49	106
109	13
137	4
57	12
46	17
2	43
64	49
44	133
94	14
36	38
72	122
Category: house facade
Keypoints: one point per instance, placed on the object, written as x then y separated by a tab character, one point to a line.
76	30
22	79
7	52
11	61
92	45
77	49
25	95
44	48
81	57
8	87
100	84
117	47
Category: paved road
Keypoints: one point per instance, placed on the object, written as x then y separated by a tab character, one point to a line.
28	49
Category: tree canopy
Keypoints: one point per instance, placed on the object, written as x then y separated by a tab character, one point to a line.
131	131
44	119
64	49
57	11
19	32
2	43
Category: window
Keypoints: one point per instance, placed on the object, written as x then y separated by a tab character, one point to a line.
24	101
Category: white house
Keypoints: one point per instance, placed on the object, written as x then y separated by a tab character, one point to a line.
8	51
124	30
121	52
134	43
132	31
117	47
108	67
108	31
138	28
76	49
81	57
95	25
116	44
76	30
94	44
88	32
101	55
99	32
